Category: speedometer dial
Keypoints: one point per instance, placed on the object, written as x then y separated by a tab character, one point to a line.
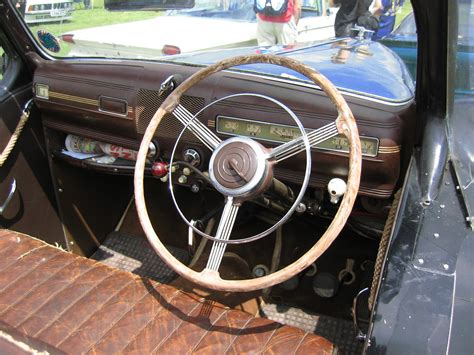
284	133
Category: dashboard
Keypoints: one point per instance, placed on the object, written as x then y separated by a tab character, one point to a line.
113	103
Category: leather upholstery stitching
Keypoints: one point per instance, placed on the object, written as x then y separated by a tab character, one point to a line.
237	335
151	320
299	344
7	251
163	341
269	338
146	293
26	273
26	253
32	289
152	313
207	331
55	293
95	313
76	301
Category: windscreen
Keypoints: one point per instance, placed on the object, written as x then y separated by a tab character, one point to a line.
213	30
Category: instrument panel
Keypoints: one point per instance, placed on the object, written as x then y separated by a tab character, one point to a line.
279	133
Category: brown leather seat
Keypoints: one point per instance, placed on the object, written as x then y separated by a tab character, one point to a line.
55	301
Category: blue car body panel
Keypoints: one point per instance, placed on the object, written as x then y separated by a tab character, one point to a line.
364	67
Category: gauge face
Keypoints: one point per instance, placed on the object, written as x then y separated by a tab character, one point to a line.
231	126
340	143
254	129
284	133
280	133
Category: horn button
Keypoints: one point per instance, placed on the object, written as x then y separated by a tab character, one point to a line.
238	168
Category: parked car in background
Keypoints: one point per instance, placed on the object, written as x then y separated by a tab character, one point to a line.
48	10
182	31
403	41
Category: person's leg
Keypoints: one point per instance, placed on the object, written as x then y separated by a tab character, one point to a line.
287	32
265	33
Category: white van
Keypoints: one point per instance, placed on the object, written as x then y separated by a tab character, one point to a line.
48	10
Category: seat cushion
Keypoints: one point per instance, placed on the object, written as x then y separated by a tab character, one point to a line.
55	300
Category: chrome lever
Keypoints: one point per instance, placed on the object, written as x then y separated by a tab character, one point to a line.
167	86
360	335
9	197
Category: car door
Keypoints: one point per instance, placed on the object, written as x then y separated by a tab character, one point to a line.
316	22
27	200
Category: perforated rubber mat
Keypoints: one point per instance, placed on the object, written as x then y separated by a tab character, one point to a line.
134	254
339	331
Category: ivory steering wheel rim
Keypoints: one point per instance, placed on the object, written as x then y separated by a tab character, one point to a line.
345	124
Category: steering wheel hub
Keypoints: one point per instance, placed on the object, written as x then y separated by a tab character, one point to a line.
239	168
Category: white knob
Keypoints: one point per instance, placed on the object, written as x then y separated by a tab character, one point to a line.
336	188
186	171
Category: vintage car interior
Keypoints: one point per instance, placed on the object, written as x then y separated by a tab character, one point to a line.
156	206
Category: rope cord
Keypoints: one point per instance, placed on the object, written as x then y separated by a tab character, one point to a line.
383	247
14	138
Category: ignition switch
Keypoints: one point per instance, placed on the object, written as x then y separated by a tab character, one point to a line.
192	156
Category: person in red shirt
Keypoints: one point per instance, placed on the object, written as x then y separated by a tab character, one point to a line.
279	29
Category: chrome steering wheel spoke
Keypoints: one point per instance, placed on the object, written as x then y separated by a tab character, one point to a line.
204	134
224	231
295	146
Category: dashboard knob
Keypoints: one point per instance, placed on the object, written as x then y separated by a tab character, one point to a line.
183	179
152	151
159	169
336	188
192	156
196	187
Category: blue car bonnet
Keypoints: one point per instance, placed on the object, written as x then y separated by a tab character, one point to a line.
364	67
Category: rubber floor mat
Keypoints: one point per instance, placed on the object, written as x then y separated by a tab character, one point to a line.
134	254
339	331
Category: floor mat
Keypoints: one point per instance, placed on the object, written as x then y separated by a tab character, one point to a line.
134	254
339	331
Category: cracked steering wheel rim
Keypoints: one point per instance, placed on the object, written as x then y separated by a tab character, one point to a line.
345	124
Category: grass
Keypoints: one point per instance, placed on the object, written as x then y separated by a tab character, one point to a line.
87	18
404	11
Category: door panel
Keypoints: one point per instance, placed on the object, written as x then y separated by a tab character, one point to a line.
32	209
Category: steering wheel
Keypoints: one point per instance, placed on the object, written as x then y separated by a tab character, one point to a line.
240	181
